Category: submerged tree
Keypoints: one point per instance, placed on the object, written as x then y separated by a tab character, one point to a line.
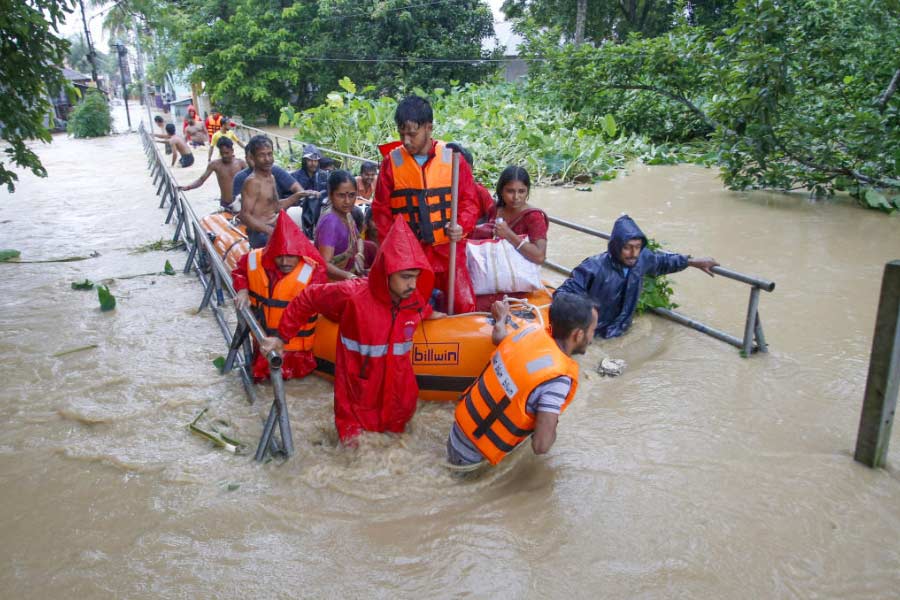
30	53
794	94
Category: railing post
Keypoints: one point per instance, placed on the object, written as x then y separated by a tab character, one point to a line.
278	413
750	325
883	382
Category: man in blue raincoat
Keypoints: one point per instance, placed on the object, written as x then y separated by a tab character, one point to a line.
613	280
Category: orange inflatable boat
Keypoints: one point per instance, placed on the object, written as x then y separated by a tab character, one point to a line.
447	355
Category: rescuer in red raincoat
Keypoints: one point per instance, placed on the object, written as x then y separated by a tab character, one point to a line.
267	279
414	182
374	385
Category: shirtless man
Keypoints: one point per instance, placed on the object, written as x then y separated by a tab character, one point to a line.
259	197
161	123
225	168
196	133
179	146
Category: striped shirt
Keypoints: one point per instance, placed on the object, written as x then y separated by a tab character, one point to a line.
547	397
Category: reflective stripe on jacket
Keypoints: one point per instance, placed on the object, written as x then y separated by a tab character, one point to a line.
285	290
422	194
492	412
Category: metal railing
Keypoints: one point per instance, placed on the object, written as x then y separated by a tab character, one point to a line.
216	280
754	339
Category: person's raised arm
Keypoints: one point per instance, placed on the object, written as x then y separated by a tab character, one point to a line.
174	150
199	181
705	264
209	154
249	198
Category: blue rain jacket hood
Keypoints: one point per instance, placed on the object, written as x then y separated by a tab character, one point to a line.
614	293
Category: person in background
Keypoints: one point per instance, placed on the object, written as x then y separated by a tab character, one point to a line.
189	119
523	226
486	206
337	235
162	135
260	205
224	131
267	279
225	167
179	146
365	182
375	388
529	381
311	179
614	279
414	181
196	134
213	123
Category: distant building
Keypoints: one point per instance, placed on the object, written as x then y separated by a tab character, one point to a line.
514	68
62	106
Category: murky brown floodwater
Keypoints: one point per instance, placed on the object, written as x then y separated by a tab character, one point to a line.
696	474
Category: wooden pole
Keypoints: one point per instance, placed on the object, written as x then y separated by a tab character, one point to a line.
454	200
883	383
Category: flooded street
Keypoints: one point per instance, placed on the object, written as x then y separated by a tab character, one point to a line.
696	474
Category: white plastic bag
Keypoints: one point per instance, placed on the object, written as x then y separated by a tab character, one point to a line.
496	266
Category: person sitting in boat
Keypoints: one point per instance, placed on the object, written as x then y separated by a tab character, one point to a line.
486	206
514	220
179	147
311	178
374	385
260	204
613	280
225	167
285	184
530	380
346	254
417	170
225	131
266	279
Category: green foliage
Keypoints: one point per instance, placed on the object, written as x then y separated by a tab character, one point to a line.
219	363
7	255
91	117
107	300
554	146
795	94
255	56
29	50
657	291
168	269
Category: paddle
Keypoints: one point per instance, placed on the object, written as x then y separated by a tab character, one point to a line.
454	199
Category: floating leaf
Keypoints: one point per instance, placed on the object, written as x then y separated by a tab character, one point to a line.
87	284
107	300
585	188
6	255
168	269
219	363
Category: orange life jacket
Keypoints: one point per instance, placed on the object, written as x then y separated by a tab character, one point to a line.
492	411
422	194
213	125
286	289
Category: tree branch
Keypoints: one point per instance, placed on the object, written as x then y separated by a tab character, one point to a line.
672	96
891	88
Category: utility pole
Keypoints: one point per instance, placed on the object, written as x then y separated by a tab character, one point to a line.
122	51
92	56
140	70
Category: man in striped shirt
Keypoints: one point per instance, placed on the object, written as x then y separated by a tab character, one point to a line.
529	382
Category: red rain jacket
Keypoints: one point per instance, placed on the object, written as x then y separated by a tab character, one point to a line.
438	256
287	239
374	385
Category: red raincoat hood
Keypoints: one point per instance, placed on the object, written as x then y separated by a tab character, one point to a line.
191	111
400	251
288	239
